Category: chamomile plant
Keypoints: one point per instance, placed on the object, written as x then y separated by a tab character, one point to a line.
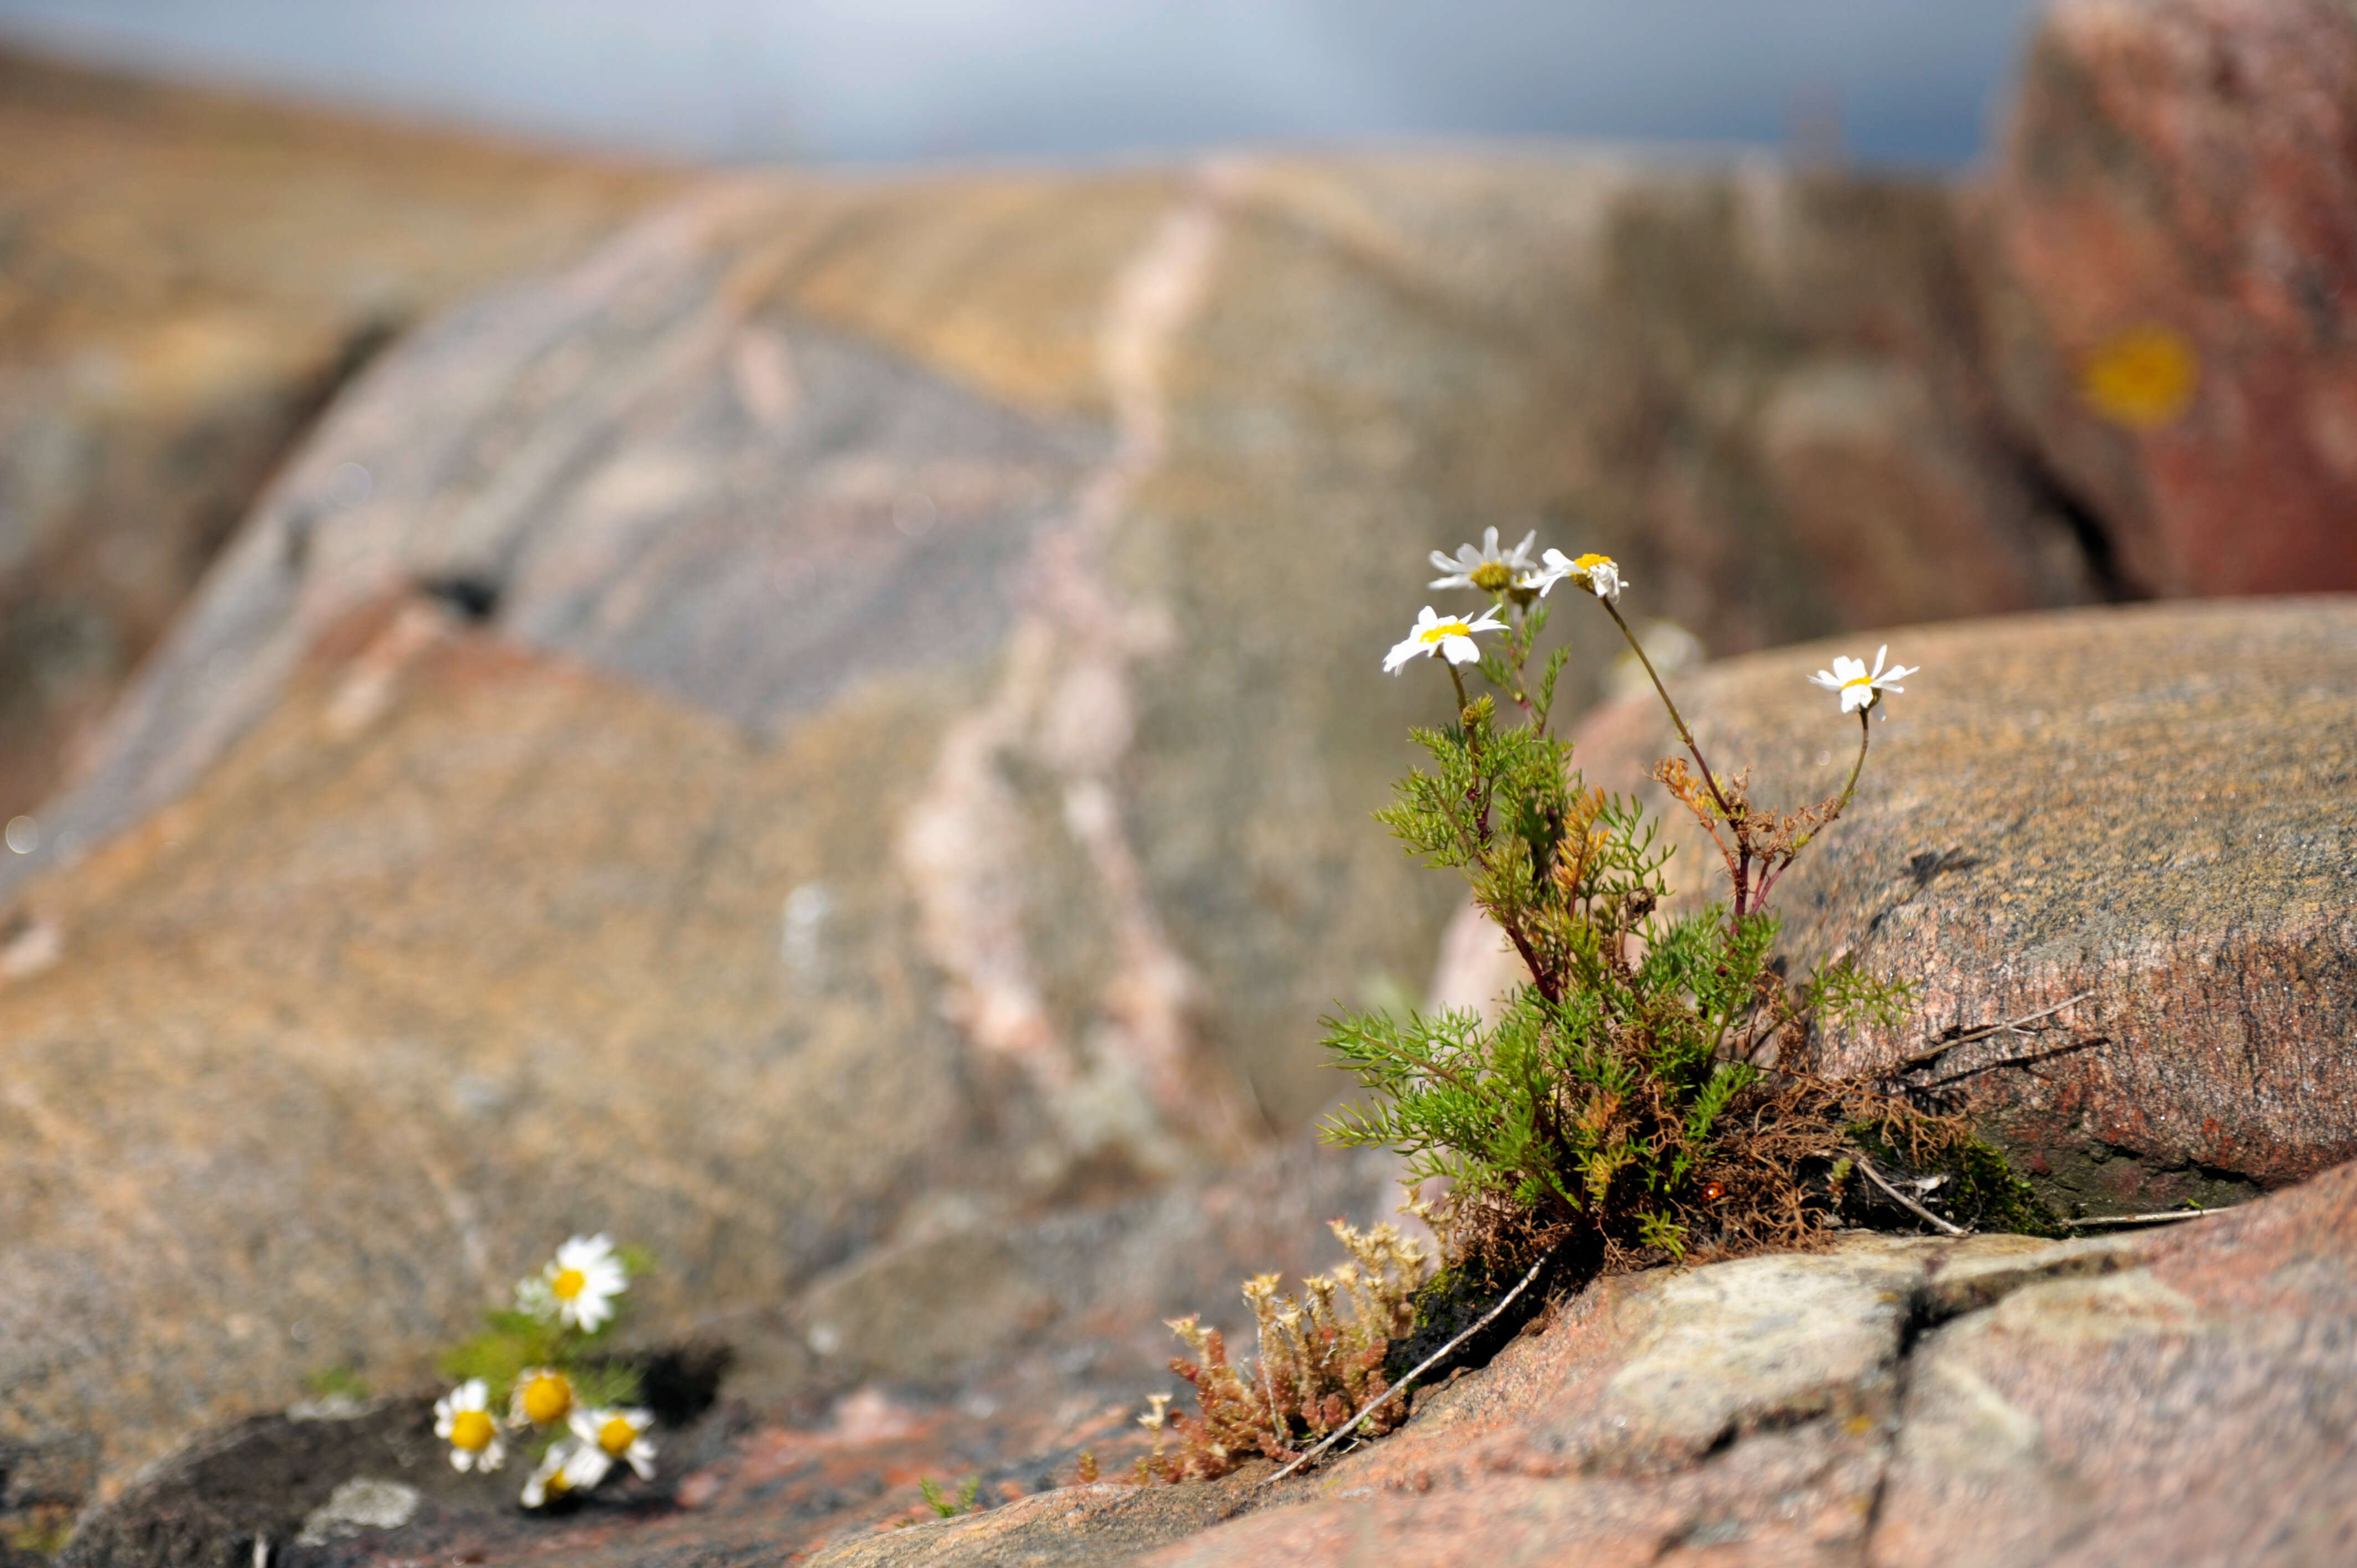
539	1379
1645	1094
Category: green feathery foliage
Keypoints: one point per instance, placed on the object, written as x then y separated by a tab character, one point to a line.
1613	1098
1643	1095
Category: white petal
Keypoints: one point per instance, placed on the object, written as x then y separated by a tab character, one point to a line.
1488	544
1460	650
1880	654
1829	682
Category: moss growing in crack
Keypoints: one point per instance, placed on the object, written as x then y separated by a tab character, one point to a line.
1972	1183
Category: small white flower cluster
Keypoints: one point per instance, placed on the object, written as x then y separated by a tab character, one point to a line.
1499	573
577	1289
1496	571
1511	575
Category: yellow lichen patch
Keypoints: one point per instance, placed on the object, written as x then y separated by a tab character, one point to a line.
2142	377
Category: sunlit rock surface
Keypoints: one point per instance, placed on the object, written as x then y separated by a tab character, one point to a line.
2165	1396
2172	267
188	277
868	690
2141	812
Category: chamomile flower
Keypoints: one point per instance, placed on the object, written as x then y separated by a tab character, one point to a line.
578	1287
1599	574
1449	636
1487	568
620	1436
552	1478
542	1397
462	1418
1860	688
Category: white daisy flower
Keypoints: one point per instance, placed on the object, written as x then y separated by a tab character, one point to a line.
1858	687
586	1464
620	1435
553	1476
579	1286
462	1418
1599	574
1487	568
542	1397
1449	635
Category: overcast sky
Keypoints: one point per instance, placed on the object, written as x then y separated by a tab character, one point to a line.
864	81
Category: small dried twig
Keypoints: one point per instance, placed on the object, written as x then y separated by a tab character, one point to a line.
2161	1218
1902	1199
1925	1058
2030	1059
1425	1366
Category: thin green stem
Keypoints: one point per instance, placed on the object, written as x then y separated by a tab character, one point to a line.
1865	735
1685	734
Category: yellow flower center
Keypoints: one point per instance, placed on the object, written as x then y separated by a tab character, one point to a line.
1589	562
568	1284
471	1429
1492	577
547	1398
1857	681
616	1435
556	1486
1445	628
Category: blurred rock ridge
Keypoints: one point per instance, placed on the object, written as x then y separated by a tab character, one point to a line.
826	726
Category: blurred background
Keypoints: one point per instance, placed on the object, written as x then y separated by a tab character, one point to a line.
834	82
757	625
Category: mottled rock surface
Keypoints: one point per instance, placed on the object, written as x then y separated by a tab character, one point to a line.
188	276
2178	1396
2172	284
2144	808
1030	1339
862	691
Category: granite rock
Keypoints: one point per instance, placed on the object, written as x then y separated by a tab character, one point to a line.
2140	812
2186	1400
2177	1396
190	277
2169	248
862	690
